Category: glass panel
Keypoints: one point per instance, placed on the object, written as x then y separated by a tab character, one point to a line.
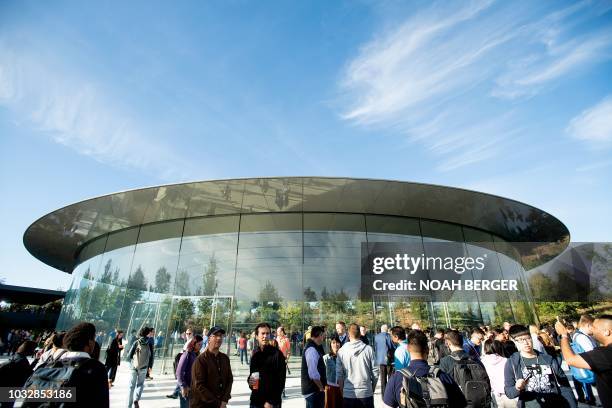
480	244
116	264
520	301
215	198
207	264
332	260
269	269
446	240
272	195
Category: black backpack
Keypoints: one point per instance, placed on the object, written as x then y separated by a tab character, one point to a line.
473	380
433	392
54	374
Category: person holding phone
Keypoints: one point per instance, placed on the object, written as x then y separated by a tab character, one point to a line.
535	378
599	360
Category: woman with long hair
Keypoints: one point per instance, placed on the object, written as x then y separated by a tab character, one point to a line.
494	363
113	357
333	395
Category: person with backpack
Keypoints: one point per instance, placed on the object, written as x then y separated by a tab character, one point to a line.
356	371
57	342
535	378
15	371
598	360
494	363
581	343
437	348
113	356
73	367
420	385
141	358
468	372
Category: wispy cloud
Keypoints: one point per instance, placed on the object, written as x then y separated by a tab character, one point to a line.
594	125
433	76
77	112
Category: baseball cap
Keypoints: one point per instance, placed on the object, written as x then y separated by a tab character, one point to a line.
215	330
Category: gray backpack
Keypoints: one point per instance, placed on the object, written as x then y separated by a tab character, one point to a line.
141	356
433	393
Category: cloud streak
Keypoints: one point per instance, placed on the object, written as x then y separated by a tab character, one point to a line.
75	111
594	125
440	73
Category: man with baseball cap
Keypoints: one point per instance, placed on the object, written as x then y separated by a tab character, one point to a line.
211	378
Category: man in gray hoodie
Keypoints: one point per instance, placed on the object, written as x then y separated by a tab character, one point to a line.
356	371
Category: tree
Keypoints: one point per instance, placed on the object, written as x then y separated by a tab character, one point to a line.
309	295
209	278
162	280
183	310
269	294
137	280
182	283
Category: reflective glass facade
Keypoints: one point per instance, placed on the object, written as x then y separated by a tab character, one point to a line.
291	268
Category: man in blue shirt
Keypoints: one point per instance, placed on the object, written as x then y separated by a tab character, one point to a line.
383	344
473	346
417	346
401	355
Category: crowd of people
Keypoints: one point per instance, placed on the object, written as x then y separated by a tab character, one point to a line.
509	366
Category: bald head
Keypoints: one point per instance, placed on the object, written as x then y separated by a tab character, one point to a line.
602	329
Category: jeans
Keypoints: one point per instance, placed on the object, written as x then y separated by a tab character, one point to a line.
358	402
184	401
383	379
112	372
316	400
137	382
243	355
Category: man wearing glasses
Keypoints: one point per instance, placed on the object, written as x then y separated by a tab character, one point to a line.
535	378
211	378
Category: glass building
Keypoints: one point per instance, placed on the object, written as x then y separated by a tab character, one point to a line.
282	250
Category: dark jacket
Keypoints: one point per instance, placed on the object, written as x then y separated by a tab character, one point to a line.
308	385
112	353
447	363
564	397
272	368
211	380
15	371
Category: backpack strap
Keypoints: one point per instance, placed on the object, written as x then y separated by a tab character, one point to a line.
434	371
407	374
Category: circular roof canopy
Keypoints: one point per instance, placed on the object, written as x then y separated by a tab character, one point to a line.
56	238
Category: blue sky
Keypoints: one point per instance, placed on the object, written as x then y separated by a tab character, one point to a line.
509	98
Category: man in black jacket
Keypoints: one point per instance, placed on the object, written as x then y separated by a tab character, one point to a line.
269	364
313	369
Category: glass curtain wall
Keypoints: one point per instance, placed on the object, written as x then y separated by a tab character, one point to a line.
295	269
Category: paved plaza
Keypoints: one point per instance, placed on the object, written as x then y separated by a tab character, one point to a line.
155	391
